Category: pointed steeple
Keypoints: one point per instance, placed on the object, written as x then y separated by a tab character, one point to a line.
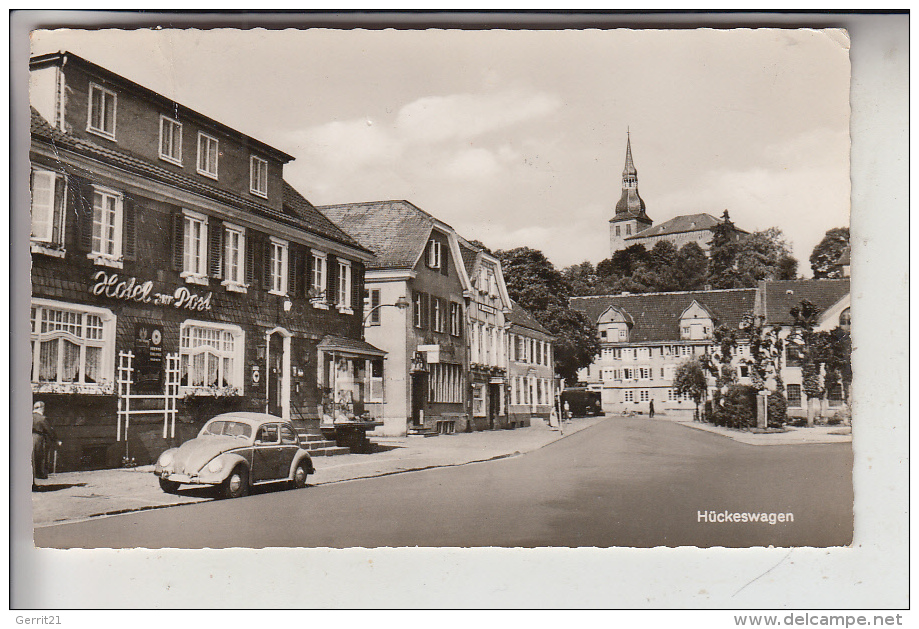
630	204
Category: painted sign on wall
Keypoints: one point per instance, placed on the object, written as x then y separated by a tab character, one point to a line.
132	289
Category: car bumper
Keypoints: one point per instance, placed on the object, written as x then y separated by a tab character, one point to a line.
188	479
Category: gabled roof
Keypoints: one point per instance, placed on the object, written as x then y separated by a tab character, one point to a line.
522	317
397	231
680	225
657	315
299	216
470	254
780	297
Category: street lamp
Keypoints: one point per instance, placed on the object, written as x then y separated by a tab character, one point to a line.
402	303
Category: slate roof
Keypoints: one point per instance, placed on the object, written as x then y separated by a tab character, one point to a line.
299	214
656	316
469	253
522	317
396	231
780	297
679	225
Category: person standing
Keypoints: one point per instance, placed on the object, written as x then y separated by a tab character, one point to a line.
43	436
651	410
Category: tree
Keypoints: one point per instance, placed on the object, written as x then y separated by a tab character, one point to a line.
810	350
742	261
691	267
835	349
824	256
622	263
582	278
535	283
691	380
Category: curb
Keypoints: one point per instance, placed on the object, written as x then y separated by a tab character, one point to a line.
747	443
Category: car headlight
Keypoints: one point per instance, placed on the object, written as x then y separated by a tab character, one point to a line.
215	466
165	458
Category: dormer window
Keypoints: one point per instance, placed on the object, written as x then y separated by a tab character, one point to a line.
434	260
207	155
258	176
101	117
171	140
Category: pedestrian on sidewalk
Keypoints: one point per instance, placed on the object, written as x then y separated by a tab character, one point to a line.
43	438
651	410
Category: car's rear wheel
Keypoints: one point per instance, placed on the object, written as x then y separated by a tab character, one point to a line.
169	486
237	483
300	475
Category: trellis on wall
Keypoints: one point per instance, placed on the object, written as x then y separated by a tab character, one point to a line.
126	397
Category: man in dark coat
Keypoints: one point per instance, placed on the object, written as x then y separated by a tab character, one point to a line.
651	410
43	437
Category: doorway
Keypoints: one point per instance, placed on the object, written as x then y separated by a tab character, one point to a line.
419	395
277	369
494	404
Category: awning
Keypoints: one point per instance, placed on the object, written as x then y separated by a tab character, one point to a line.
349	346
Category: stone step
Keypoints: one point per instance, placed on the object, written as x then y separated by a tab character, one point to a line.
330	451
317	445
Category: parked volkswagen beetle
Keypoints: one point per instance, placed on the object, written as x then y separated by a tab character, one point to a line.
235	451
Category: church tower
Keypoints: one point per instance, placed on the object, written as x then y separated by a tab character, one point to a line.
630	215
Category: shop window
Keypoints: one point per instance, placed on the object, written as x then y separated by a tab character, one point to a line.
171	140
478	400
793	395
376	380
445	383
208	153
194	256
101	118
73	347
258	176
211	358
49	192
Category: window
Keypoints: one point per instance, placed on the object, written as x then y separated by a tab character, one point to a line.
371	301
437	314
628	230
792	355
101	119
267	434
834	394
418	311
456	319
845	319
628	395
288	437
258	176
318	279
278	283
72	345
644	373
617	231
211	356
685	331
434	254
744	371
234	267
171	140
107	219
793	395
478	400
344	286
643	395
194	260
207	155
686	350
49	191
623	334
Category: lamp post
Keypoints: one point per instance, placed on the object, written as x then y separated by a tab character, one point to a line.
402	303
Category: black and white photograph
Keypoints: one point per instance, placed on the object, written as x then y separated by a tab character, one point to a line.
443	288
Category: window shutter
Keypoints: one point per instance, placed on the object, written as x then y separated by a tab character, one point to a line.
295	270
178	239
57	227
266	263
357	287
444	257
214	247
129	229
425	311
307	270
80	195
253	259
332	280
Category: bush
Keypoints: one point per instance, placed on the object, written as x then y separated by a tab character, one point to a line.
738	407
777	410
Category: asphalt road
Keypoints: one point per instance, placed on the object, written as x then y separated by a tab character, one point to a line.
624	482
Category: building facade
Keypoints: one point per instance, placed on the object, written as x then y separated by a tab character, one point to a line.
645	337
175	274
530	369
416	308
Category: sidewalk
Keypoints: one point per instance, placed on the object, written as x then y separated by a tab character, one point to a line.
75	496
792	435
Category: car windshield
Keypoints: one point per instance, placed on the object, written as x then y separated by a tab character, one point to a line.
229	429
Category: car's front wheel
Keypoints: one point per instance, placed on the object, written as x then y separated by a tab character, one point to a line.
237	483
300	475
169	486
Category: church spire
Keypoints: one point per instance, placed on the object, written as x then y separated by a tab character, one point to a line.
630	204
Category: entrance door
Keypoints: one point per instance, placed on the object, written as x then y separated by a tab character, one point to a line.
494	403
275	374
419	393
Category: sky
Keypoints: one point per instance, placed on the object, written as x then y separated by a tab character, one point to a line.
517	138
